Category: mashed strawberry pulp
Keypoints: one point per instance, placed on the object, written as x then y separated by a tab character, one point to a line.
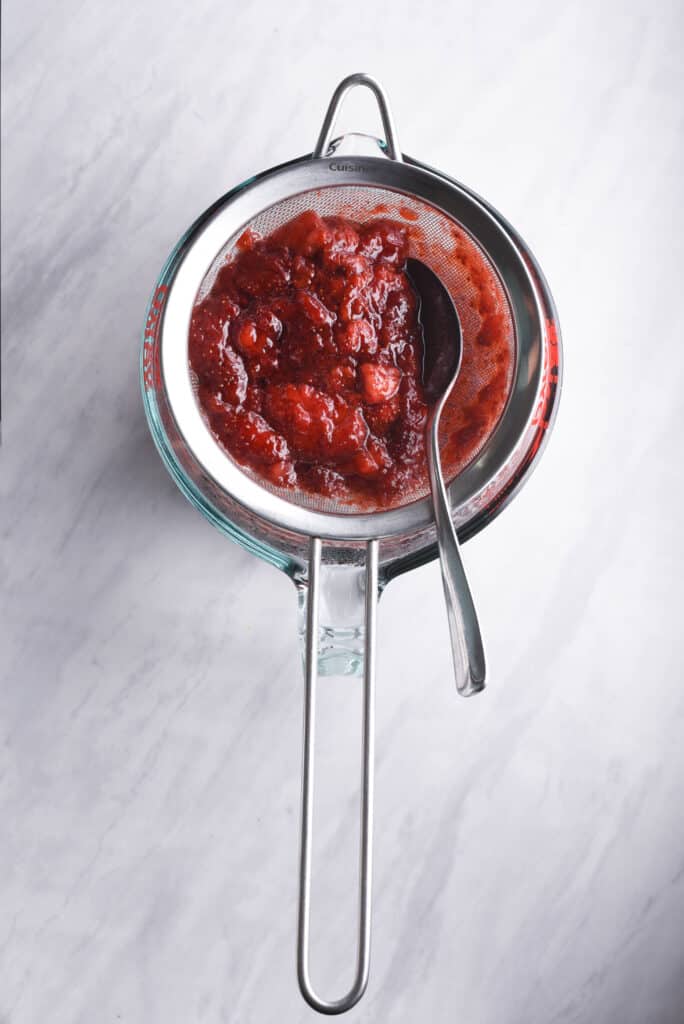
307	350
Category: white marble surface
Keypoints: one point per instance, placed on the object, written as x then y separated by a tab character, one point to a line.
530	843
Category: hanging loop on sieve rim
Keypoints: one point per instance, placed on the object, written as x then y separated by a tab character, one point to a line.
391	142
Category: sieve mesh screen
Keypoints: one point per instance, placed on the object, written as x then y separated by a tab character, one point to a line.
488	333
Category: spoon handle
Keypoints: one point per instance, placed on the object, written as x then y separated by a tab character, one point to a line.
466	639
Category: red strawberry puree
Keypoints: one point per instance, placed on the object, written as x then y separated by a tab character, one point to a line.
308	351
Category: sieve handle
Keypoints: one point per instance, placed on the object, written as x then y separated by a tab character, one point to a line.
325	137
466	639
366	852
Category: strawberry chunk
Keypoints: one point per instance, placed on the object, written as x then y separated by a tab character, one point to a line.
303	272
307	234
383	416
341	378
386	280
385	240
342	237
315	424
251	436
232	377
378	383
373	460
357	337
282	474
255	334
260	274
314	310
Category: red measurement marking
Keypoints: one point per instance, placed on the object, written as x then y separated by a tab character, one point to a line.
151	366
549	378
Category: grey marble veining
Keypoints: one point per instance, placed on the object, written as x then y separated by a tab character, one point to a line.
530	842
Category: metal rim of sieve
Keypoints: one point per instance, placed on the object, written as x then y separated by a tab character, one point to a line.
233	215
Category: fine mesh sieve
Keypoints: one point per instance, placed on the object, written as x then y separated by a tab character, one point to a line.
443	244
304	535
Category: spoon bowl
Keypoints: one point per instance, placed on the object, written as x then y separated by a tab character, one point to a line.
442	335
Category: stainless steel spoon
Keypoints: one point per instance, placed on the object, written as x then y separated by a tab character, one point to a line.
442	347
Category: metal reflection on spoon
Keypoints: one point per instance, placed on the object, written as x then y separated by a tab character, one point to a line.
442	351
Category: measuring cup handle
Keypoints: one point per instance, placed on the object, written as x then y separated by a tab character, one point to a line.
325	138
366	852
